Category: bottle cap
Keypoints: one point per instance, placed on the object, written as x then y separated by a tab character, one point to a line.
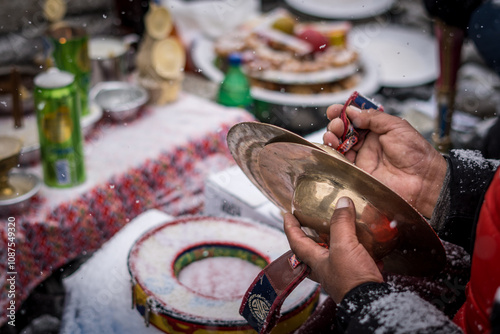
234	58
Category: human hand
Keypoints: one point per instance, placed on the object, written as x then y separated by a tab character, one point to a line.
345	264
394	153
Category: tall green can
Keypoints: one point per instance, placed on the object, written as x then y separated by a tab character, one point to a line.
71	54
58	115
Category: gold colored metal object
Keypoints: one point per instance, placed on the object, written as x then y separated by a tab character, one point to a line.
16	188
10	148
308	181
25	186
245	141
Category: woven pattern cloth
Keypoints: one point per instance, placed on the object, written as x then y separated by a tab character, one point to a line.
159	160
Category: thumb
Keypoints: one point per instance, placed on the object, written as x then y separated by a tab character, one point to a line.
342	224
373	120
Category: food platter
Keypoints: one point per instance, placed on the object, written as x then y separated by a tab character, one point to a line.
203	56
307	179
368	85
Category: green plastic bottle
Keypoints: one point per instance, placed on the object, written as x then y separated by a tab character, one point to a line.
234	91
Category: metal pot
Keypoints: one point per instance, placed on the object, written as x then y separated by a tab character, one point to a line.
111	57
120	101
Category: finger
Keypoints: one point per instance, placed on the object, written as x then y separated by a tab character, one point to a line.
304	247
333	111
331	140
373	120
336	126
342	228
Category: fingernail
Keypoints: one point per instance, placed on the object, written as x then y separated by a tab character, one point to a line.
343	202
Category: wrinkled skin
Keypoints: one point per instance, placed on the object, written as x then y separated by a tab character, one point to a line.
394	153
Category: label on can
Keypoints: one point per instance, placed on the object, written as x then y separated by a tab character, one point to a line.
57	126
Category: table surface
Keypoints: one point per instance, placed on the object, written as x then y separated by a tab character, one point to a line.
159	160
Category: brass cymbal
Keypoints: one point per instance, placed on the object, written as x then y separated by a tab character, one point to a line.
308	181
246	139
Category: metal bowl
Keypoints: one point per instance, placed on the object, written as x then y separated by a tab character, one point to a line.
25	186
120	101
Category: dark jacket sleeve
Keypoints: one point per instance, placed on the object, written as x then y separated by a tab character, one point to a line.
378	308
467	179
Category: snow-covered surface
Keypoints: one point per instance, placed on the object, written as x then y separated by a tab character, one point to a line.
99	292
395	313
204	277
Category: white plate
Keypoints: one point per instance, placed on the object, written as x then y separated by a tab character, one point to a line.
406	57
328	75
368	85
341	9
203	56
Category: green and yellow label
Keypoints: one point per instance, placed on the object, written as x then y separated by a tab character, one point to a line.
57	126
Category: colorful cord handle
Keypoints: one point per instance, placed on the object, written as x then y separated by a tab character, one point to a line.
351	135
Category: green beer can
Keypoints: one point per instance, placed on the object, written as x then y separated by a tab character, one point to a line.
71	54
58	114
